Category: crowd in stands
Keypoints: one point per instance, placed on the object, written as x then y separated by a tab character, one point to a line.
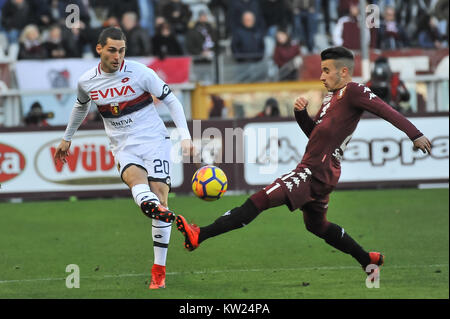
284	28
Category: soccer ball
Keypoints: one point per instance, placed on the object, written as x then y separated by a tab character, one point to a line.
209	183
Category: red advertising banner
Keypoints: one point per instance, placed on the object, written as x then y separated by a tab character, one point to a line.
172	70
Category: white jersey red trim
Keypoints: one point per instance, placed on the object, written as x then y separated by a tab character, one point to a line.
124	99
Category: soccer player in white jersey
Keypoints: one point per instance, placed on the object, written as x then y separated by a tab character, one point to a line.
122	91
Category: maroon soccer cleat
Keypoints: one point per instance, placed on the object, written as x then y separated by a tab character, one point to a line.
190	233
157	211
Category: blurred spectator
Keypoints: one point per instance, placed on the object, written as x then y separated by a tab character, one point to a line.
271	109
54	43
30	44
305	22
138	41
159	20
441	11
218	107
247	43
276	15
346	32
118	7
429	36
200	39
77	40
405	15
178	16
111	21
236	9
325	6
36	117
165	42
40	13
285	52
391	35
344	7
147	16
15	16
219	9
388	86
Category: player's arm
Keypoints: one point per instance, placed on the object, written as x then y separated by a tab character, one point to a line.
79	113
302	117
177	113
155	85
363	97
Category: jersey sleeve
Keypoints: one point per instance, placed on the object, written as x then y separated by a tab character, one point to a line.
78	114
362	97
82	96
304	121
153	84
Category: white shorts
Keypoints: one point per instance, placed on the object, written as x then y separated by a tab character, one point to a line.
154	157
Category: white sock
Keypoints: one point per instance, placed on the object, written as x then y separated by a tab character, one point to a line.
160	230
161	237
142	192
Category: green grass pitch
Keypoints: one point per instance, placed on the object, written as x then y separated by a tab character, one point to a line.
273	257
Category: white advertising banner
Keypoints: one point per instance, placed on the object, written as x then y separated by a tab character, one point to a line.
26	163
377	152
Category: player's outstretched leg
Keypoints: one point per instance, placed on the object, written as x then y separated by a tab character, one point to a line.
233	219
189	231
334	235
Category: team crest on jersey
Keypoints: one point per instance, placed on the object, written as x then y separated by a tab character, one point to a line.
115	109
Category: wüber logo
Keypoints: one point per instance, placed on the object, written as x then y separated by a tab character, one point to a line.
111	92
90	162
12	162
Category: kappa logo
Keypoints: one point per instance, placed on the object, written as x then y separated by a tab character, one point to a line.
296	178
366	89
286	152
289	185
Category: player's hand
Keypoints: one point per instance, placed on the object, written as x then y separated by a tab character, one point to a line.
300	103
62	151
187	147
422	143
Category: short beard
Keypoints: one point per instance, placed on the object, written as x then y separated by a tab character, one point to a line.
338	80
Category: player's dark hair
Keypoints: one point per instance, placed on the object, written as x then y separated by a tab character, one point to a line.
336	53
113	33
342	56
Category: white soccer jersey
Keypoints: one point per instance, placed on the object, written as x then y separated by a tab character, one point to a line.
124	99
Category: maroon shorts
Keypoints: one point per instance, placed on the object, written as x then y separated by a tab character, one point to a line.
301	188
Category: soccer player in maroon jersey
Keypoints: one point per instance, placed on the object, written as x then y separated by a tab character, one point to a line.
309	185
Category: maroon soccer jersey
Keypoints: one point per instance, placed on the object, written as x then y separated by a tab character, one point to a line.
332	128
